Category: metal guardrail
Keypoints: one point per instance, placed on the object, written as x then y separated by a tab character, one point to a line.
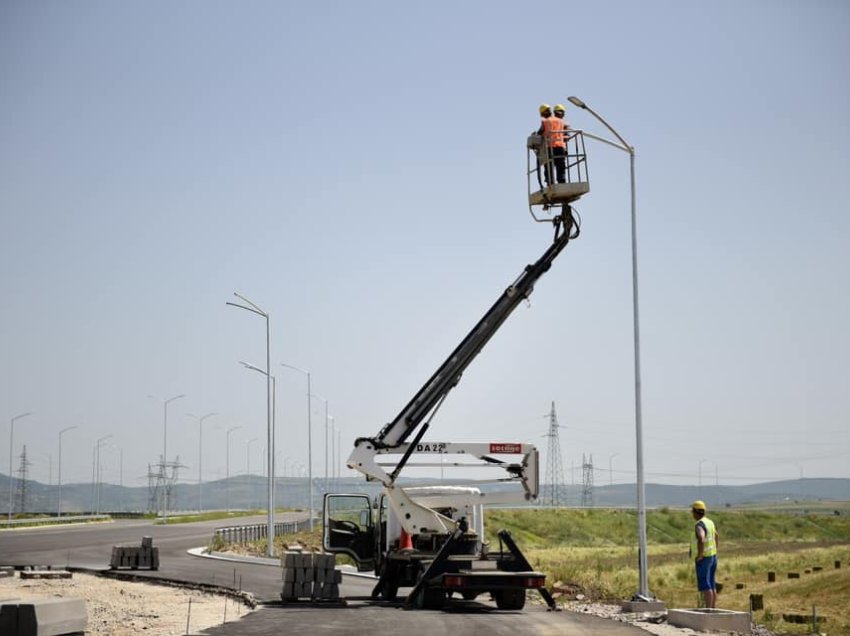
257	531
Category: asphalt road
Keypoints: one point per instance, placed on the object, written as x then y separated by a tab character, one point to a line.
90	547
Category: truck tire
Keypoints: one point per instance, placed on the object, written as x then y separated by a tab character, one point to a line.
510	599
389	591
469	595
430	598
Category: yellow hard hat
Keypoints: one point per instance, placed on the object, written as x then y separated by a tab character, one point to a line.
698	505
559	108
543	108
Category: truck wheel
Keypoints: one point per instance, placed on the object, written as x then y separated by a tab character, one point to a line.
389	592
510	599
469	596
430	598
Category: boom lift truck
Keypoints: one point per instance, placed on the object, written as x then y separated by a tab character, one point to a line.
432	538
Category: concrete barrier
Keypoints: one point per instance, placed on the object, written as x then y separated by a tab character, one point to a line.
43	617
715	620
45	574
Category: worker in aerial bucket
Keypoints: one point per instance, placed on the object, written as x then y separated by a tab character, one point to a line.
552	128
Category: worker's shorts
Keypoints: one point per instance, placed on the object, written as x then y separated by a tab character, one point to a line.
706	569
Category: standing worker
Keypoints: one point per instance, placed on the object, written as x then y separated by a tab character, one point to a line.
704	552
552	128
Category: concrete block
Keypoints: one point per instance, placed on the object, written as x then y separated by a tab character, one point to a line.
287	593
319	575
309	575
45	574
8	616
50	617
6	573
290	558
289	575
337	576
715	620
147	542
635	606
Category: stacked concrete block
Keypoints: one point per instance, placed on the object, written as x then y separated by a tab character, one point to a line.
133	557
327	577
310	576
43	617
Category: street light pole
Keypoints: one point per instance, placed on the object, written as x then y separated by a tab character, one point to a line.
327	417
62	432
309	436
227	464
248	443
271	459
164	464
270	429
643	591
11	446
201	454
97	472
611	469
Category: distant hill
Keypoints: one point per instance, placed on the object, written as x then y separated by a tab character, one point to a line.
249	491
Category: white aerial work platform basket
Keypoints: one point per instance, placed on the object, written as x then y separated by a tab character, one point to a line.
550	183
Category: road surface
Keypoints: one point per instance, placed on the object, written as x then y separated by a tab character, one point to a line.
90	547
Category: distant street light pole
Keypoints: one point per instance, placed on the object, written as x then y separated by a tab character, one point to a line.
611	469
11	469
201	456
272	458
327	417
164	467
333	452
248	443
227	471
270	431
309	437
61	433
97	472
641	490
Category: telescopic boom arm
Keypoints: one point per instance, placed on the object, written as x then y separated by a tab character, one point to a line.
449	373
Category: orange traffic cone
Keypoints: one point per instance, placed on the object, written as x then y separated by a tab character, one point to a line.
404	541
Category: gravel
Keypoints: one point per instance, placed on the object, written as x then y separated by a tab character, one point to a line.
125	608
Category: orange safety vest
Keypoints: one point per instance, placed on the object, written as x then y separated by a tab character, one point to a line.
553	129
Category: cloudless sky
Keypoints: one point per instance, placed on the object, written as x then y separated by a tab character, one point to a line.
357	169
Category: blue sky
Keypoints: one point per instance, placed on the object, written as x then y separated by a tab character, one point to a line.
358	171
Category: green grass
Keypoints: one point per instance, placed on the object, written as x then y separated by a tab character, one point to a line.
596	549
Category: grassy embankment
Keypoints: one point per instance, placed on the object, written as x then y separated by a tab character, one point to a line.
596	549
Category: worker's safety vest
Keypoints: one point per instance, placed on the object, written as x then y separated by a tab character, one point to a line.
710	546
553	129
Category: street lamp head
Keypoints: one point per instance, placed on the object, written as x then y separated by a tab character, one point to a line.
575	101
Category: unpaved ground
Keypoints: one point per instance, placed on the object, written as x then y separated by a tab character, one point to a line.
125	608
